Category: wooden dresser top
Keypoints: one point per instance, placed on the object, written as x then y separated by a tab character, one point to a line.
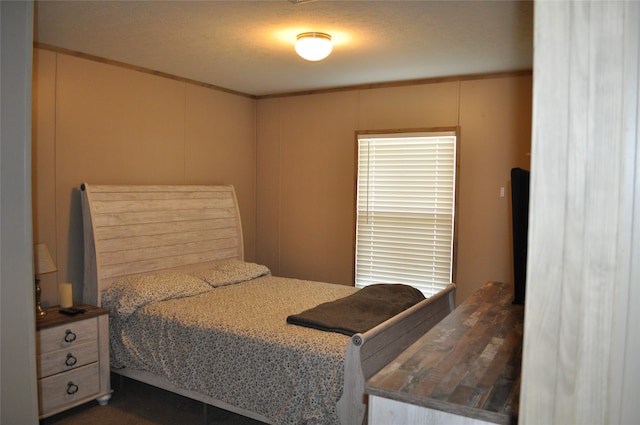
55	318
468	364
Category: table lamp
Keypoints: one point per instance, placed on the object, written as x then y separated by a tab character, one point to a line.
43	264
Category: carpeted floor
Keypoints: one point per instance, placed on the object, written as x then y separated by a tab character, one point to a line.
135	403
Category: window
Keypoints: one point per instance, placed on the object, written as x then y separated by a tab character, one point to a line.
405	209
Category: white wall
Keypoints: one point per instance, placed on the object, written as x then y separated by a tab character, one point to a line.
18	402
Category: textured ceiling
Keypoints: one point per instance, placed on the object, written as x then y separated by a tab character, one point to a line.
247	46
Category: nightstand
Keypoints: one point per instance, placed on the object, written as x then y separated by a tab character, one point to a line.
72	358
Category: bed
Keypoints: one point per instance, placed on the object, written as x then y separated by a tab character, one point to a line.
227	345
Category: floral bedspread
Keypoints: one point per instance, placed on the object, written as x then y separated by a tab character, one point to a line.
233	343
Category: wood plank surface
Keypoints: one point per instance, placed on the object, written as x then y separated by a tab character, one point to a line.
468	364
155	229
582	340
54	317
368	352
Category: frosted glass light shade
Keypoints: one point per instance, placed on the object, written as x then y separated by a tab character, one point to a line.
314	46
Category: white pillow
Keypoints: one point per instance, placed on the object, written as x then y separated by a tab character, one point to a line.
129	293
231	272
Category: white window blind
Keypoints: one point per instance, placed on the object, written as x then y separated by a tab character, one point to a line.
405	209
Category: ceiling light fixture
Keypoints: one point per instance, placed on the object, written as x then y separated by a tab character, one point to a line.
314	46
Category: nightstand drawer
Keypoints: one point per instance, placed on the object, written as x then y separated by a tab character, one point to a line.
57	361
68	387
67	335
72	359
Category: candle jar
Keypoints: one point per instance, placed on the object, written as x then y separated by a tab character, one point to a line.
65	295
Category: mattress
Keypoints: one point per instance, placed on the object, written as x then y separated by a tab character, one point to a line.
233	343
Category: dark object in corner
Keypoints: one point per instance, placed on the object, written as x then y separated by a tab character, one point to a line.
520	220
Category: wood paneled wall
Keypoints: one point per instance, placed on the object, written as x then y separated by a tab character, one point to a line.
105	124
291	159
306	172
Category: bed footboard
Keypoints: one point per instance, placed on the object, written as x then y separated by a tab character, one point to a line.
368	352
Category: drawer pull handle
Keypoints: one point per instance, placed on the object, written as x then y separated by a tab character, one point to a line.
72	388
70	360
69	336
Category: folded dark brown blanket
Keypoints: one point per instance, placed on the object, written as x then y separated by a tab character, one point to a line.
360	311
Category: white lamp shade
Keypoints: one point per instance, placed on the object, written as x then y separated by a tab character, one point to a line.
314	46
42	259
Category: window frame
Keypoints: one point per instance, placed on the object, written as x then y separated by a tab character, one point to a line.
408	131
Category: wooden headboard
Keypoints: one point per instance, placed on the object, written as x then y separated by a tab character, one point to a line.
156	228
